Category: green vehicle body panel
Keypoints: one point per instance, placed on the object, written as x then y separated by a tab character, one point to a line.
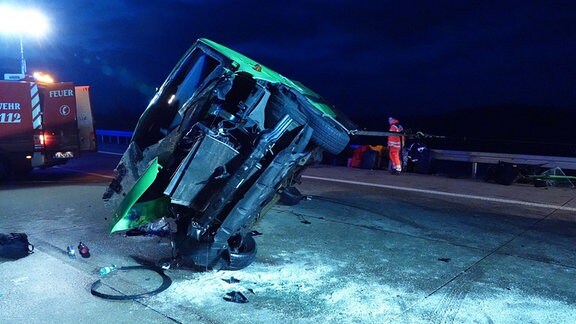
131	214
259	71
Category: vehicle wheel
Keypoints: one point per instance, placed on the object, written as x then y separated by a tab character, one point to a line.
22	172
279	108
4	168
327	134
242	256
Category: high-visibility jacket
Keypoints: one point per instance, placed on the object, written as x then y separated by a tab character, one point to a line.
396	140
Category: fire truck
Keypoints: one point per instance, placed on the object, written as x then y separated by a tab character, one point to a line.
42	123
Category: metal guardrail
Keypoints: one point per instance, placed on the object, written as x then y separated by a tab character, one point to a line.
105	136
566	163
123	138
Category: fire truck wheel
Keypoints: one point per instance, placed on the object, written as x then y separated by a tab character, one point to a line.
22	172
4	168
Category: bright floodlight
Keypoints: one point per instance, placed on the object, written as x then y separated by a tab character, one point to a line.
22	21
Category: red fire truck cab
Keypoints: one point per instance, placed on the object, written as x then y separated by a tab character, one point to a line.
43	124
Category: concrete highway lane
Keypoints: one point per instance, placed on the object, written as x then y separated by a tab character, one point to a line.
367	247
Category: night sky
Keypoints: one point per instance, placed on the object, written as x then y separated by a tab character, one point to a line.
371	59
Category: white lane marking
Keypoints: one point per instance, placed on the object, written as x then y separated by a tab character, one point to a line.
111	153
96	174
443	193
84	172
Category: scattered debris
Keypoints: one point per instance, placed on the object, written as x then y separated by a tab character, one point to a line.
444	259
83	250
169	263
554	177
302	219
236	297
104	271
231	280
255	233
71	251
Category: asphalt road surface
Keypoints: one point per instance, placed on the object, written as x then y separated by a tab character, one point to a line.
368	247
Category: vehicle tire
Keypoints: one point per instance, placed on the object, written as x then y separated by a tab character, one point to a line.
278	108
327	134
4	168
22	172
241	257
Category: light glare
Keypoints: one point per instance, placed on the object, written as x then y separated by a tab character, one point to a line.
22	21
43	78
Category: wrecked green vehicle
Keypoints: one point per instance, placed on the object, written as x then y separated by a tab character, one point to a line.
221	141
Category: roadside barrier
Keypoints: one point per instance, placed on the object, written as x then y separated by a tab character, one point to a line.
105	136
566	163
122	138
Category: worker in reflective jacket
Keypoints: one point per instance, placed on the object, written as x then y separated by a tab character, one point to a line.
395	144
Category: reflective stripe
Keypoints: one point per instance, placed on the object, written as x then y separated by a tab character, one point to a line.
395	140
36	109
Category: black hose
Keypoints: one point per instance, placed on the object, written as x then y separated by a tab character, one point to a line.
166	282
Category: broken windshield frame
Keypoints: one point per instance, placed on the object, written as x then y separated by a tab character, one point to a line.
162	116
